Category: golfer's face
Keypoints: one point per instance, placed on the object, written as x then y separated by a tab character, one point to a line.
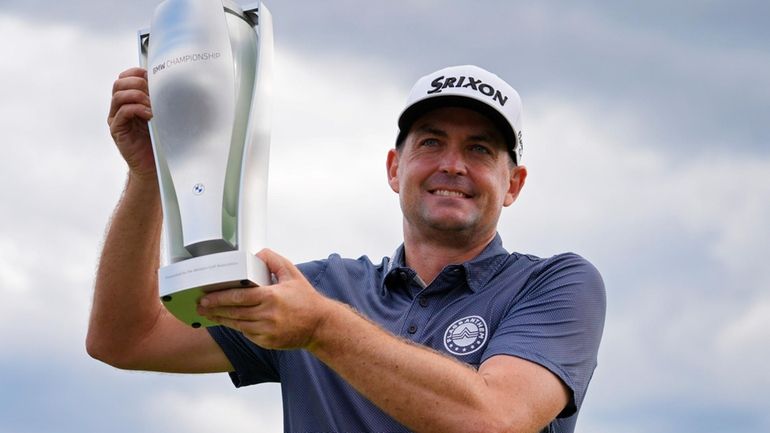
453	173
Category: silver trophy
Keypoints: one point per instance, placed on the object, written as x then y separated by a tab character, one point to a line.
209	65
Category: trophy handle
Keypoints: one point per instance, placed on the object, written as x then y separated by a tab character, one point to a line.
253	198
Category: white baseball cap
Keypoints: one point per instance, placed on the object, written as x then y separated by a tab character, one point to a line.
470	87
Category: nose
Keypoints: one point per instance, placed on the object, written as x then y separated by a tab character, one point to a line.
452	162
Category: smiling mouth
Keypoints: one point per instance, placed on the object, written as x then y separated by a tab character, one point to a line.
448	193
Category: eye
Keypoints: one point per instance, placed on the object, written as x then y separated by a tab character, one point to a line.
480	149
429	142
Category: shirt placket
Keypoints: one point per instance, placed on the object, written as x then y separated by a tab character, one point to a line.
425	301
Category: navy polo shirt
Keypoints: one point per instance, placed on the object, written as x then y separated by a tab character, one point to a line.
548	311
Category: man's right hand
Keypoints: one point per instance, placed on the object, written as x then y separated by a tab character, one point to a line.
129	112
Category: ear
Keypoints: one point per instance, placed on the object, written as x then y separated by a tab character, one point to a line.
515	184
392	166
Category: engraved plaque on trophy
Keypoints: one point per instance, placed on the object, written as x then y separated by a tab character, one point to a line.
209	65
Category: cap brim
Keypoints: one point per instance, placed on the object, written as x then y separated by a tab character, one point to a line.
414	111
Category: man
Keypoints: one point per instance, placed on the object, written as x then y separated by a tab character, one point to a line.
451	334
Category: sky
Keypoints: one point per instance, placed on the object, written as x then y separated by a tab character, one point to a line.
648	153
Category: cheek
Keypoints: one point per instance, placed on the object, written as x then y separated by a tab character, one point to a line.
507	200
409	176
504	184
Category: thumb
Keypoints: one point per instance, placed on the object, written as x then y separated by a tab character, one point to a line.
280	266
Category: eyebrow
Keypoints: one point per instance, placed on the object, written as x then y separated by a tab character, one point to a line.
430	129
487	138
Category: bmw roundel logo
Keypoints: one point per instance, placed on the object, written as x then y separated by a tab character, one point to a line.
466	335
198	189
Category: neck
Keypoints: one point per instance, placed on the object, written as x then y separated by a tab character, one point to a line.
428	255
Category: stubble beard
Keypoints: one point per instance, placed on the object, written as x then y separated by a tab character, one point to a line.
444	230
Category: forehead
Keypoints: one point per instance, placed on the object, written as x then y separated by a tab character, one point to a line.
457	119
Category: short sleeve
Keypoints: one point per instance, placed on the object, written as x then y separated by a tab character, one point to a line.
252	364
556	320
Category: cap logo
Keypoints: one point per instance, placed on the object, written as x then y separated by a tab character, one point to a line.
441	83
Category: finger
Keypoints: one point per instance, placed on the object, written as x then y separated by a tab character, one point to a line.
131	87
133	72
129	97
238	325
245	314
252	330
127	114
246	297
137	83
282	267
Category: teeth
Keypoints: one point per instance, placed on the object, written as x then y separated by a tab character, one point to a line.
446	193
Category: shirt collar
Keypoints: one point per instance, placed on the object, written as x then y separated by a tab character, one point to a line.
478	271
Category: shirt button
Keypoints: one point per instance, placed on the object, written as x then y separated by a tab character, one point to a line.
404	276
423	301
412	329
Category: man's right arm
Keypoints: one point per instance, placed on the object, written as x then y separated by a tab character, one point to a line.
129	327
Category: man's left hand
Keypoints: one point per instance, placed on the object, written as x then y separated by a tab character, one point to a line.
284	315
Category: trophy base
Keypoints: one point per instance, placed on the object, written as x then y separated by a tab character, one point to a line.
182	284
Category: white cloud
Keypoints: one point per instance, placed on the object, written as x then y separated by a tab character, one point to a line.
592	174
12	278
334	123
57	168
743	353
213	412
752	329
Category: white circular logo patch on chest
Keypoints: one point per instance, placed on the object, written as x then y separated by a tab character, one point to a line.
466	335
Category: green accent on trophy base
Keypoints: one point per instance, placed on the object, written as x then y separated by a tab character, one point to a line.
184	304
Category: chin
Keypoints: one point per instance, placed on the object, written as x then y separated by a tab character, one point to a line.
450	224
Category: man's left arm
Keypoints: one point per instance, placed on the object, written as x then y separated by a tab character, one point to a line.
423	389
431	392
